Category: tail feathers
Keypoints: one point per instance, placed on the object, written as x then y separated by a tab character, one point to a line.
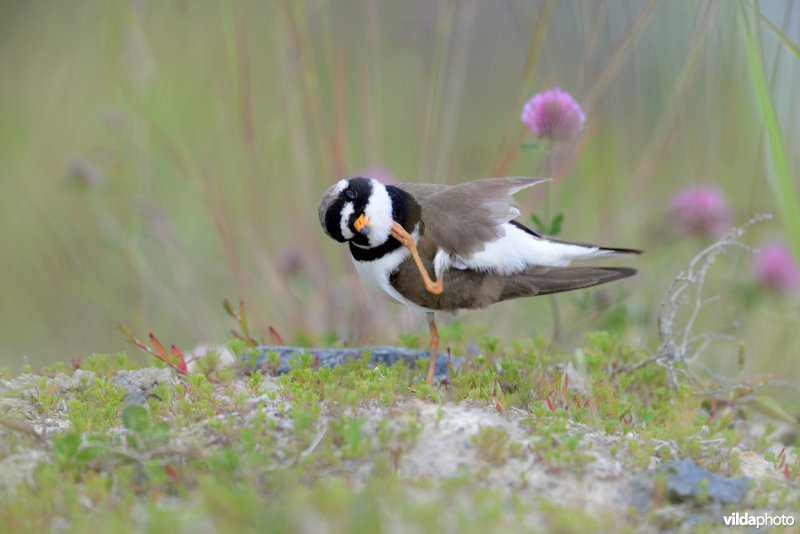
599	253
544	281
595	249
620	251
611	252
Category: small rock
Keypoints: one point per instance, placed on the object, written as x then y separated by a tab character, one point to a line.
25	387
685	481
332	357
223	354
140	383
135	395
68	385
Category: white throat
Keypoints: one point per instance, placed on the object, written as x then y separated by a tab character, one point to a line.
376	273
379	213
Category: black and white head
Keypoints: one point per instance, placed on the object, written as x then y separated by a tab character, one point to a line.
362	210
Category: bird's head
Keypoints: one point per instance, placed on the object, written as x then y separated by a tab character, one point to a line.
362	210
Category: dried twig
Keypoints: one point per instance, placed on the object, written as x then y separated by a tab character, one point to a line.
680	347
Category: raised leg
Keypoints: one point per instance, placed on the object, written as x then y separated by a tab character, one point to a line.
434	345
399	233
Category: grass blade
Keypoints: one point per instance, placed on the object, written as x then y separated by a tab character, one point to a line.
779	173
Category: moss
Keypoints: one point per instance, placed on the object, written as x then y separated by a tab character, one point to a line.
96	408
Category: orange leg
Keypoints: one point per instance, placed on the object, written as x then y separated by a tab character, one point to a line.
434	346
399	233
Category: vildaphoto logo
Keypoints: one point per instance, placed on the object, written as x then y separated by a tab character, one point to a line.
747	519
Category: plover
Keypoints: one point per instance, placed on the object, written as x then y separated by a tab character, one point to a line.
438	247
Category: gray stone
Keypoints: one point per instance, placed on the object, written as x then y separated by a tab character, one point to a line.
289	356
686	482
135	395
139	384
68	385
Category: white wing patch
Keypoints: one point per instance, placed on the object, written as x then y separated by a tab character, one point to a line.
514	252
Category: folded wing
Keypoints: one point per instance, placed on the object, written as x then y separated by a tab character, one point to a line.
461	219
468	289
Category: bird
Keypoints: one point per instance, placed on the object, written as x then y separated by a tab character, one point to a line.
436	247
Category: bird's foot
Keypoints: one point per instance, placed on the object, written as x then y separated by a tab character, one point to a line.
405	239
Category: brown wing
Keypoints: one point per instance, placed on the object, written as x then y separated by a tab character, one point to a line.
467	289
460	219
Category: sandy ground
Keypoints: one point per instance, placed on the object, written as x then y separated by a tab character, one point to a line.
447	445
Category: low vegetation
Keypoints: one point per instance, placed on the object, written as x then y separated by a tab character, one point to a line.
519	437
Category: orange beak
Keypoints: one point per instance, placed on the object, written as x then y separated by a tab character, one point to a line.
362	224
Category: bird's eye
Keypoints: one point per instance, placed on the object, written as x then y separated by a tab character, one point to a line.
350	194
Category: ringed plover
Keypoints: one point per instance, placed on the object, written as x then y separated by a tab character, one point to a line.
438	247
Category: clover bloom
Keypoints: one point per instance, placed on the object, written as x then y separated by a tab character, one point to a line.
553	115
700	210
775	267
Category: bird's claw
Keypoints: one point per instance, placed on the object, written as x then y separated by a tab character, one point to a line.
405	239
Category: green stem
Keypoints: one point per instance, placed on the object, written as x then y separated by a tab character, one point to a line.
556	311
548	194
548	197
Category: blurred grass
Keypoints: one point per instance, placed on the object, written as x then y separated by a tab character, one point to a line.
778	167
213	128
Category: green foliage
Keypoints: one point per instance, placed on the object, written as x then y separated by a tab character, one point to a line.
96	408
551	228
143	433
65	447
212	366
350	437
75	458
47	396
490	344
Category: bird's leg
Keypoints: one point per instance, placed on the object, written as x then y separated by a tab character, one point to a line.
434	345
399	233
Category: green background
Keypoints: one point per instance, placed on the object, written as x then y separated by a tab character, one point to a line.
158	157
